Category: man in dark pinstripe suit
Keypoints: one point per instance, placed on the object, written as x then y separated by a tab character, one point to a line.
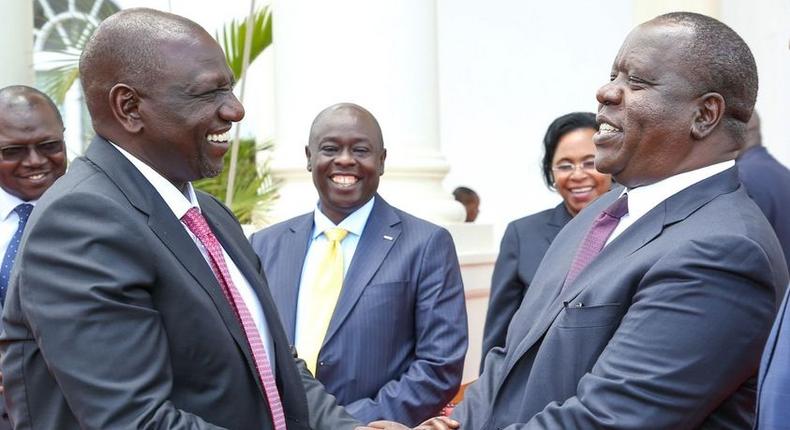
395	344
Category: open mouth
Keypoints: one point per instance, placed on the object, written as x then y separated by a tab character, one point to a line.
606	132
606	128
344	180
581	190
221	138
36	177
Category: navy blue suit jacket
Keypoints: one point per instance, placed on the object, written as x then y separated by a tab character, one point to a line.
663	330
523	246
768	183
396	343
773	398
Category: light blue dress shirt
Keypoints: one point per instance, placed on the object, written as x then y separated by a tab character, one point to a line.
355	225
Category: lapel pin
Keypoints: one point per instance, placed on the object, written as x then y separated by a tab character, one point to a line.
387	237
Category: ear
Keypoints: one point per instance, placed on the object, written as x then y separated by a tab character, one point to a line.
307	154
708	115
381	161
125	107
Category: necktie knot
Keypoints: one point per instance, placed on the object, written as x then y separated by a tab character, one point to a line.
335	234
195	222
619	208
23	210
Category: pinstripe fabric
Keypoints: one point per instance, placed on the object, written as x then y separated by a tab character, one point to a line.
396	342
197	224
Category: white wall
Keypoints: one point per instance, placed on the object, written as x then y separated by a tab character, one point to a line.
506	71
765	26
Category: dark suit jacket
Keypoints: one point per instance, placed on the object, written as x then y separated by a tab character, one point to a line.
768	183
773	398
523	246
663	330
396	343
114	320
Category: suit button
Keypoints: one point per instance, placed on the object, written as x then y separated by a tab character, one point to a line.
322	364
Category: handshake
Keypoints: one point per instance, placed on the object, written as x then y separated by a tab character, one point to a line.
436	423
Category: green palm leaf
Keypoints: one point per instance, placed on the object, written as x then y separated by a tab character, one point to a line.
233	35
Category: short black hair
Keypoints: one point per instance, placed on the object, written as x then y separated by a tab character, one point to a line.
725	65
125	48
14	92
557	129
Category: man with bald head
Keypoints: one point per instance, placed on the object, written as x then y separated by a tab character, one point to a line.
383	326
136	301
650	308
32	157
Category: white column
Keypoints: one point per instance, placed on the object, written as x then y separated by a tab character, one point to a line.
16	43
380	55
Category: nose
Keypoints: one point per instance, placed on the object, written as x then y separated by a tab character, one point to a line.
578	172
232	110
34	158
345	157
609	94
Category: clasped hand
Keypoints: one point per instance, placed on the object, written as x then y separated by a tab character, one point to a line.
436	423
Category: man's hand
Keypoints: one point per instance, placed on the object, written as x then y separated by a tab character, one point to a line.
436	423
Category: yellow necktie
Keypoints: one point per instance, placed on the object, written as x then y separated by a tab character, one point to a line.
321	300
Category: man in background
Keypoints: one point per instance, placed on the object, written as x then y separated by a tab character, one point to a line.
767	181
471	201
371	296
32	157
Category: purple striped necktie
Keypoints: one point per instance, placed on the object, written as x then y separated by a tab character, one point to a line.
198	226
596	237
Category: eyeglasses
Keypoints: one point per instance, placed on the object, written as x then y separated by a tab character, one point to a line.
18	153
568	168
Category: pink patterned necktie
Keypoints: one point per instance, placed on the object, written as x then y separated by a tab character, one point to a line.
596	237
198	226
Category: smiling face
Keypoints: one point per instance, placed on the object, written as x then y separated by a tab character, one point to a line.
187	113
27	125
647	109
346	157
582	185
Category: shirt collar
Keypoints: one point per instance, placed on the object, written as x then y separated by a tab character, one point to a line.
177	202
8	202
354	223
642	199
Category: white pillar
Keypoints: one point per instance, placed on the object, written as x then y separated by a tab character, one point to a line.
380	55
16	43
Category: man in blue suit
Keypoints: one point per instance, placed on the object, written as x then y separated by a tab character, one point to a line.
773	396
396	335
767	181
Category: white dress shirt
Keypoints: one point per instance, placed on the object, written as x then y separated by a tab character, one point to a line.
642	199
9	219
316	249
180	203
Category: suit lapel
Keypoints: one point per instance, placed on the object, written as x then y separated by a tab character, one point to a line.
169	230
371	250
674	209
557	219
293	250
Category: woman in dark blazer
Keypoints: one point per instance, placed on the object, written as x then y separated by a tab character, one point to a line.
568	168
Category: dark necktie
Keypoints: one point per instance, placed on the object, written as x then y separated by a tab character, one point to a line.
194	220
596	237
23	210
